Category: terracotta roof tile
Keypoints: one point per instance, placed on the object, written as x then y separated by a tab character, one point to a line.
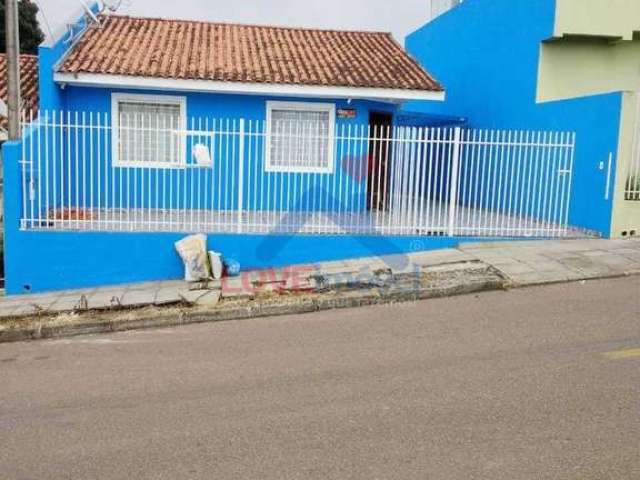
182	49
28	83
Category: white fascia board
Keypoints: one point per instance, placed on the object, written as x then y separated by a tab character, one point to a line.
269	89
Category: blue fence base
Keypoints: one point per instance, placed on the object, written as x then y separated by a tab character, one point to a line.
48	261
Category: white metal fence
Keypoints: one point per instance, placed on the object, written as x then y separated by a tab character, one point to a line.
632	185
212	177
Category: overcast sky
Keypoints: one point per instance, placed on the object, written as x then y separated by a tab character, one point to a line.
397	16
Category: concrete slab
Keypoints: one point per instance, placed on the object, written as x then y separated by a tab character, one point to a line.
192	296
138	297
25	309
515	268
107	298
65	303
210	299
167	295
7	310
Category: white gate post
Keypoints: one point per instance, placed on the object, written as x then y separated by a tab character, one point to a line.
453	188
240	173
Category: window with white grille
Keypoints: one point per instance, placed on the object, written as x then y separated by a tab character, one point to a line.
149	131
300	137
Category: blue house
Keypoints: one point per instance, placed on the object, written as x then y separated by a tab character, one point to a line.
283	145
549	64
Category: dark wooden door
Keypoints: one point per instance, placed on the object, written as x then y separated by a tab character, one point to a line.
377	165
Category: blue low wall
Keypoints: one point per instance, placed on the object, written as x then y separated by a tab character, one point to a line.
46	261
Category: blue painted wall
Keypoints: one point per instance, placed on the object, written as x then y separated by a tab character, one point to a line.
486	54
59	260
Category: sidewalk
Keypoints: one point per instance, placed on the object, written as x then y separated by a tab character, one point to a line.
528	263
469	268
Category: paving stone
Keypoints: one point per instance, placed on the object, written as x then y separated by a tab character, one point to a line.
210	299
595	255
7	310
65	303
25	309
136	298
515	268
170	284
107	298
299	285
192	296
617	262
547	265
137	287
579	262
595	271
439	259
237	287
42	300
537	278
167	295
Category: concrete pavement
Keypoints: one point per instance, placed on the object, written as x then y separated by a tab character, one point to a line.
524	263
537	383
527	263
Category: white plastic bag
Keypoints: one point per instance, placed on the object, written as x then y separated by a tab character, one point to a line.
193	251
215	259
202	155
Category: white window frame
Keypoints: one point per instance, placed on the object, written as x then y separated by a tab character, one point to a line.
181	101
305	107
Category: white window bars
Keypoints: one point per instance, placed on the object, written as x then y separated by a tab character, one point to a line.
385	181
144	130
299	137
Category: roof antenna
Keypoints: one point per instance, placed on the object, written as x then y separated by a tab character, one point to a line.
91	19
112	5
89	13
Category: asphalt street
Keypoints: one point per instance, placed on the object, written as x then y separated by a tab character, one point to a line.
539	383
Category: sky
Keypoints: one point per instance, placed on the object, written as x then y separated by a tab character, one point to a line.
397	16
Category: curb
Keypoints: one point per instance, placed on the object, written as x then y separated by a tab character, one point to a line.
404	289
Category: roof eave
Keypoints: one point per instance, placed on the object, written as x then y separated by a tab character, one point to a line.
246	88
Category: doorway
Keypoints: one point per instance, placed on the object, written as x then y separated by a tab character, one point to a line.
377	165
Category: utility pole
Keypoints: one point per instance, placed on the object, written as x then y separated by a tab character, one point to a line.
13	67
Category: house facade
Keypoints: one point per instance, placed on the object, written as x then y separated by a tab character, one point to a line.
550	64
156	89
283	145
